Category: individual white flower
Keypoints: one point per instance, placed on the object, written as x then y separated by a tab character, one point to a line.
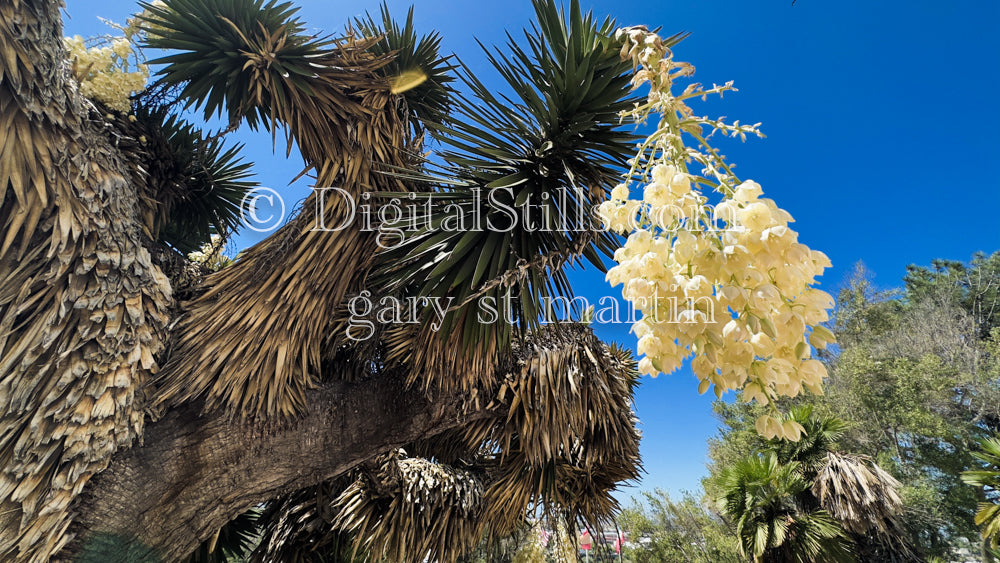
792	430
820	337
747	192
651	265
680	184
649	345
754	392
812	372
620	192
663	173
646	367
756	217
734	330
657	195
639	242
726	211
765	297
763	345
696	287
641	328
665	216
638	289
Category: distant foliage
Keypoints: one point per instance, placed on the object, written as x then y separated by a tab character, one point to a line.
664	530
916	378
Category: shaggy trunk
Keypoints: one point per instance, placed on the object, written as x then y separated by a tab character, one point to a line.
195	473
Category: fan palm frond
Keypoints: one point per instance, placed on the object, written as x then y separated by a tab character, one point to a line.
819	438
988	478
859	494
760	496
817	537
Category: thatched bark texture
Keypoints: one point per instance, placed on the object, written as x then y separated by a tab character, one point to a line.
82	306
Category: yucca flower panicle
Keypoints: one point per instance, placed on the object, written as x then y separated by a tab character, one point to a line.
713	266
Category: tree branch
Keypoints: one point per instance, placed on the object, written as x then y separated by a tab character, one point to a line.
195	473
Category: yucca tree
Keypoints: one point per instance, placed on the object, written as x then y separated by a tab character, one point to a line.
242	385
988	480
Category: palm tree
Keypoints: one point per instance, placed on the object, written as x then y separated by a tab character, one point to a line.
988	479
259	396
858	493
810	476
819	437
761	496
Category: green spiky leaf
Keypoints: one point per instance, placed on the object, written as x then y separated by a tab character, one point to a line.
417	70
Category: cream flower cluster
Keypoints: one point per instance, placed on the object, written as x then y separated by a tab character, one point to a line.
108	73
728	285
210	255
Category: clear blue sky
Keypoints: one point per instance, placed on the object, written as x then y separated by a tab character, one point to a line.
882	125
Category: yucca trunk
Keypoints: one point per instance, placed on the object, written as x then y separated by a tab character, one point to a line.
158	502
82	306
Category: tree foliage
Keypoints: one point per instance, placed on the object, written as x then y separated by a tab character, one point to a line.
915	378
662	530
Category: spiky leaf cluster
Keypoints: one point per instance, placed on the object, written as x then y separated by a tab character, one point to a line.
193	185
213	78
510	201
417	70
